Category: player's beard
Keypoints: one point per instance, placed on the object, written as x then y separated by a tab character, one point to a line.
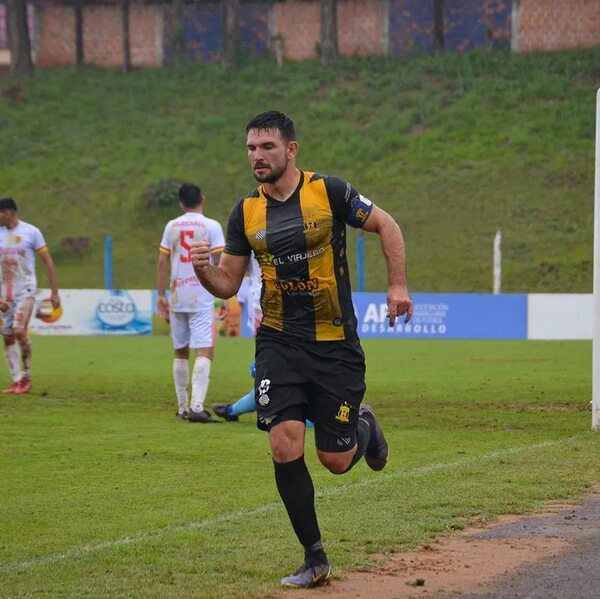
273	175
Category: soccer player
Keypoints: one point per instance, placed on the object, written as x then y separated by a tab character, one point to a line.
190	308
19	243
309	362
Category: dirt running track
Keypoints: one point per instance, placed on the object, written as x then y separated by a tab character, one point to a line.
555	555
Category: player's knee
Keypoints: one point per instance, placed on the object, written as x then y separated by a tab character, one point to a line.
287	441
182	353
283	454
336	463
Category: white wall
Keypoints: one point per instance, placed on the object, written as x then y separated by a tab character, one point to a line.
559	316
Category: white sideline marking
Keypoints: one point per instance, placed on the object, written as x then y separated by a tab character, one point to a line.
172	530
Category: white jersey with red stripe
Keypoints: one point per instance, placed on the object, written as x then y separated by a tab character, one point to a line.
18	247
187	294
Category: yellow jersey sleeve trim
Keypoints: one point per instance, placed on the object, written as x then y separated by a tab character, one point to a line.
164	250
43	249
217	249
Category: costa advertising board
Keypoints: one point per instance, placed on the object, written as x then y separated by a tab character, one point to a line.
93	312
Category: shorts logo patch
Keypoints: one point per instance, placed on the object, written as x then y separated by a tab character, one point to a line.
263	398
264	386
343	414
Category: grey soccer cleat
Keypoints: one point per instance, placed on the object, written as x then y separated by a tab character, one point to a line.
221	411
376	454
203	416
182	415
308	576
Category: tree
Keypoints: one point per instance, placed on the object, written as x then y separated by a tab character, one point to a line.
126	40
439	36
230	45
79	32
178	36
18	35
329	41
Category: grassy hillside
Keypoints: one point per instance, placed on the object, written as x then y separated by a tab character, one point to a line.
453	146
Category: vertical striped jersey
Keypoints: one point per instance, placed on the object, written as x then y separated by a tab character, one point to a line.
300	245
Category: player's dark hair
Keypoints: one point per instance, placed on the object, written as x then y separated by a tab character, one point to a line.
273	119
190	195
8	204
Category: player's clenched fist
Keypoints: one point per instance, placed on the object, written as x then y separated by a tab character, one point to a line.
200	254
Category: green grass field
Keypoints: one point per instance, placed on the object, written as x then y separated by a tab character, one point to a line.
454	146
103	493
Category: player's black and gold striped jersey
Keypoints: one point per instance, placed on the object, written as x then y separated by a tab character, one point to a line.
300	245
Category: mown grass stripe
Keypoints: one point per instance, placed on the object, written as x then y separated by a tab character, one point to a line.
78	552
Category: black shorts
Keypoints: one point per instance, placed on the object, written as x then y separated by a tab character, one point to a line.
323	381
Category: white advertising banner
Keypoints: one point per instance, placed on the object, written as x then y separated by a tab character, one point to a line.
93	312
559	316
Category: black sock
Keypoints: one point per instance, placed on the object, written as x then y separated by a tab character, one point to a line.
368	419
315	554
363	435
298	494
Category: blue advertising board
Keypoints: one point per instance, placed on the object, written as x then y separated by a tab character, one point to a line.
446	316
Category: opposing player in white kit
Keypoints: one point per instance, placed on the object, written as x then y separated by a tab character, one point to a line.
19	244
190	308
249	294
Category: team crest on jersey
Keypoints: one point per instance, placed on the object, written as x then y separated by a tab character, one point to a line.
309	225
260	234
343	414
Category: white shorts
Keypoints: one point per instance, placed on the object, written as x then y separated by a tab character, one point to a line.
192	329
18	315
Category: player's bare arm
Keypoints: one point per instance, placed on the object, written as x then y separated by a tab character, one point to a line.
392	243
52	278
162	275
223	280
216	259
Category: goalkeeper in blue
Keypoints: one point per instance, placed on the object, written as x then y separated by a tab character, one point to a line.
244	405
249	294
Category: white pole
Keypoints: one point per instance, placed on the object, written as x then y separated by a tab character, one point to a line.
596	316
497	262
